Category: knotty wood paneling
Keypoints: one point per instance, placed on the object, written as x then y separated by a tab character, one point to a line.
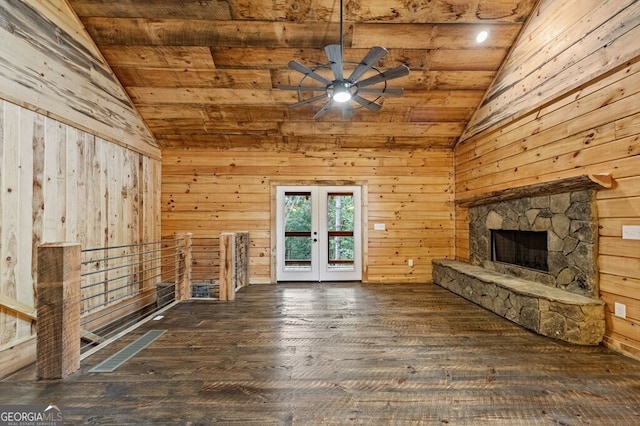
504	11
50	65
562	47
77	163
233	55
62	184
208	191
591	128
416	59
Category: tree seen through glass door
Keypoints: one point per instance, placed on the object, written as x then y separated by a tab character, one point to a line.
341	229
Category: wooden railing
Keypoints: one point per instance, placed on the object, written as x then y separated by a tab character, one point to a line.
234	264
100	294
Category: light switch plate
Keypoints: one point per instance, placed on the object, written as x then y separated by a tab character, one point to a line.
379	226
630	232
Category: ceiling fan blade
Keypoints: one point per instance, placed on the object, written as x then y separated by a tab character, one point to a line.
297	66
396	72
372	57
308	101
324	109
347	110
392	92
301	88
370	105
334	53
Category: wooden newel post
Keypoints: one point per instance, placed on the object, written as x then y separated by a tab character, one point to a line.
58	339
227	264
183	284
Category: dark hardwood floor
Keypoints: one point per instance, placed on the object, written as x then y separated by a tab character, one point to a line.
344	353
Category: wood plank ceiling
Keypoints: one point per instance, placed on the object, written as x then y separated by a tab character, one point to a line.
204	72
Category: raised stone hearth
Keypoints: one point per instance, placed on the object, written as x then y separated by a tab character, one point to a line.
546	310
552	230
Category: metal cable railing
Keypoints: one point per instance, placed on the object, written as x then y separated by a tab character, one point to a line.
102	293
205	267
123	284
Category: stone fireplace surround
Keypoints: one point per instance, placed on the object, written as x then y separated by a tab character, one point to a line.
563	303
571	226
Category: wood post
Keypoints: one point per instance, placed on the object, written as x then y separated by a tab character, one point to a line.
234	263
227	264
58	305
183	270
242	250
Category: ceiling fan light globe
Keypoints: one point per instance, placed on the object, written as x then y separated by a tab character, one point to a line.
341	96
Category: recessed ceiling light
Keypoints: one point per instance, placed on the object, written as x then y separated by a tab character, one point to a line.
482	36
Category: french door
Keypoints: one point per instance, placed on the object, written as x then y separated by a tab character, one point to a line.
318	233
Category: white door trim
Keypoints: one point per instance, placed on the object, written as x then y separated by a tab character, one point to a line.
326	274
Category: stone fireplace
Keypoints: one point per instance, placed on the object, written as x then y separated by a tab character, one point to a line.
532	257
568	222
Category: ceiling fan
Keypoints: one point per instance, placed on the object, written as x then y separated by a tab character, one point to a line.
342	90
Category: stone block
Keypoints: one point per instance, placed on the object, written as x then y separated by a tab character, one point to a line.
554	242
540	202
494	220
579	211
559	203
582	196
531	216
529	318
553	324
541	224
583	230
560	225
543	309
566	276
573	312
569	244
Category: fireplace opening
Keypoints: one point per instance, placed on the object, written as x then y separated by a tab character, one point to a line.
527	249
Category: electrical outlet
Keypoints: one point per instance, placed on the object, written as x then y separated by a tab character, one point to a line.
620	310
410	262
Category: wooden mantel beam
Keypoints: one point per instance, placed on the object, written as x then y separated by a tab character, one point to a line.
600	180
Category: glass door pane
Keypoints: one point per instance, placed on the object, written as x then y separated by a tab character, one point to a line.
318	236
340	231
297	231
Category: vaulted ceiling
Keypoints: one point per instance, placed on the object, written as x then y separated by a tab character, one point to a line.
205	72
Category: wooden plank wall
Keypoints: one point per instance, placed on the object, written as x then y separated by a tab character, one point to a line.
47	59
208	191
76	162
592	128
62	184
563	46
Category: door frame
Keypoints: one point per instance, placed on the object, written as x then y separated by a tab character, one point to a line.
364	201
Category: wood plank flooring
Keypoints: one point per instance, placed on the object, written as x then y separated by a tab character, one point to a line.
343	353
